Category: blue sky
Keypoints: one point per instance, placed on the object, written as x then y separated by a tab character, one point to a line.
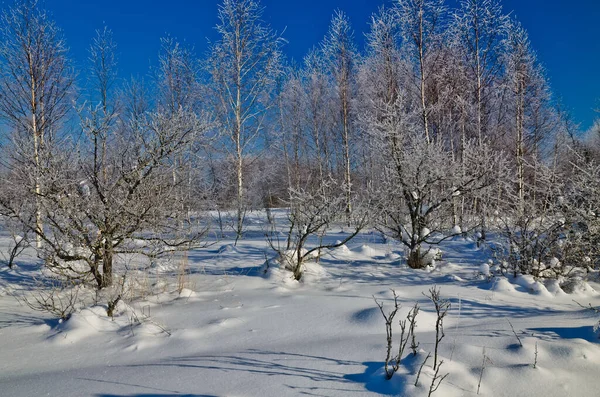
565	33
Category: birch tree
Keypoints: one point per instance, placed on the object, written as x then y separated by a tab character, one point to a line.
177	77
380	76
36	84
244	64
340	56
178	88
519	65
421	24
480	27
534	118
319	110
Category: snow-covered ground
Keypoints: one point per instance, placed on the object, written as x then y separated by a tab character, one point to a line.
238	332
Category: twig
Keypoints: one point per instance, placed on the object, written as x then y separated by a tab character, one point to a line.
389	335
590	307
483	362
412	318
433	388
513	330
421	368
441	308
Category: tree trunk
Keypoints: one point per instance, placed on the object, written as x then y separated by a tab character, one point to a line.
415	259
422	77
107	262
239	150
346	143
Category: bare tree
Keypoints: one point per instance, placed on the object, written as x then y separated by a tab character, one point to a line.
418	183
177	77
17	244
103	68
35	85
480	26
380	78
312	212
421	25
178	88
93	216
441	309
319	111
244	64
340	56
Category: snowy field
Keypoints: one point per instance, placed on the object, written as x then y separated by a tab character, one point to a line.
236	331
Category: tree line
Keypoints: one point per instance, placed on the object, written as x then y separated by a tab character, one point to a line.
444	125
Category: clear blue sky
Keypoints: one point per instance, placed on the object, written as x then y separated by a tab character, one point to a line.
565	33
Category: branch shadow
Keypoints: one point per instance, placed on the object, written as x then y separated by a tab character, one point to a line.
586	333
272	364
155	395
18	320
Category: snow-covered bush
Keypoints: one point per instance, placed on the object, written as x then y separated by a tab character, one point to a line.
18	241
312	212
553	230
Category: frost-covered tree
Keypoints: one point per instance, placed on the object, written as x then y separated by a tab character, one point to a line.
554	232
581	209
418	183
479	26
93	215
421	26
35	85
520	67
178	88
245	65
292	116
103	68
528	102
319	111
177	77
380	77
340	56
313	211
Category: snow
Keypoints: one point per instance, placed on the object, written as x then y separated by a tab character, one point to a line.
242	332
484	269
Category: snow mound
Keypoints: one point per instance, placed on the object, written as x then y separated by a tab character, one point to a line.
553	286
392	256
501	284
403	382
431	256
577	286
532	286
484	270
187	294
370	315
368	251
87	323
313	272
343	249
281	269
